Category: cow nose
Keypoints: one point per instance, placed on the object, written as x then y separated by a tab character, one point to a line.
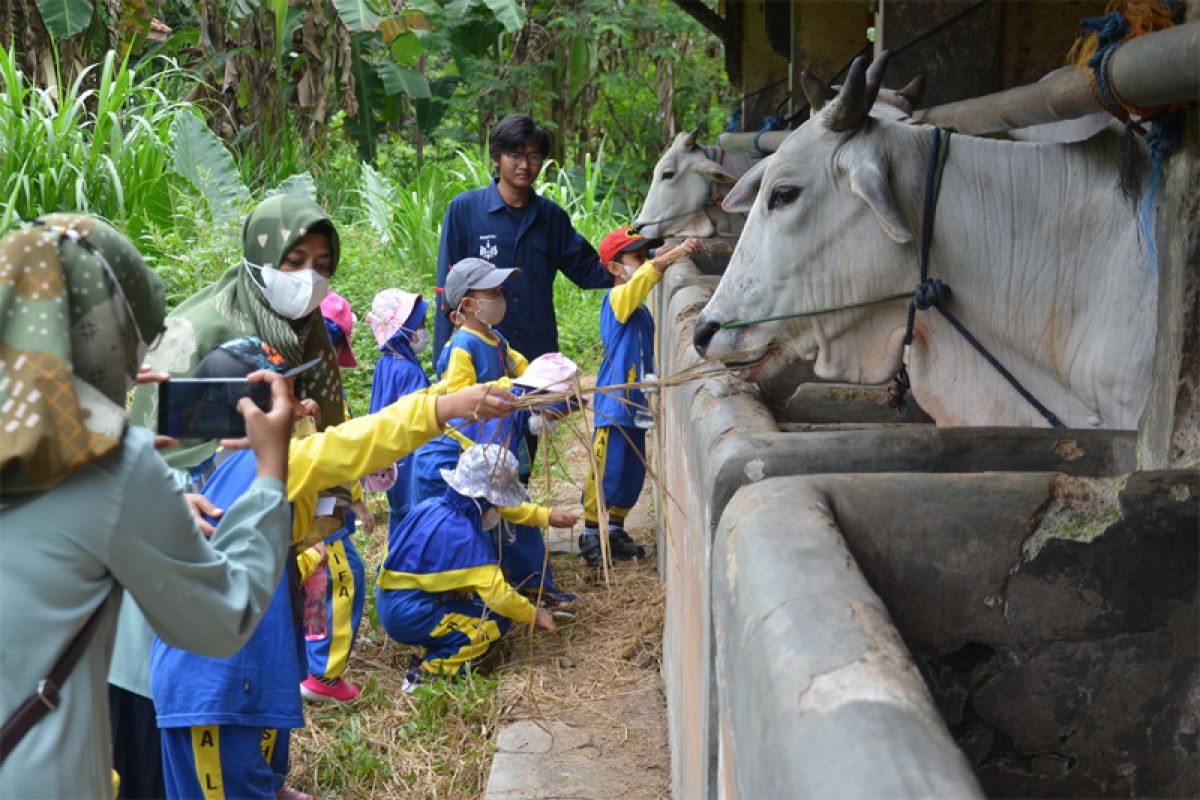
703	334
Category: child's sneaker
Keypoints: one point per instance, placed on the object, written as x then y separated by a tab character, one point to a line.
339	690
623	546
415	675
561	605
286	792
589	549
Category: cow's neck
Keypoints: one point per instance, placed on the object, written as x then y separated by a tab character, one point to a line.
1043	259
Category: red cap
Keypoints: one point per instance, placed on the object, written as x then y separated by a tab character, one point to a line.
622	240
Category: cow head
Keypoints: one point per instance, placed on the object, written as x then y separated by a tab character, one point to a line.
824	231
681	189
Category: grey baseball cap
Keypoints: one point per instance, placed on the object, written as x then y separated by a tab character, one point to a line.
474	273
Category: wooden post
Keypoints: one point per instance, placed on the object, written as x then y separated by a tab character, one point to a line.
825	36
761	67
1169	430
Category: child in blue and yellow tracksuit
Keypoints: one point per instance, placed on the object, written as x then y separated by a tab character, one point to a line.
225	722
477	354
397	319
345	593
525	568
621	415
441	587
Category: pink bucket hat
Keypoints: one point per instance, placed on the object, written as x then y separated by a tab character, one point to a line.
553	372
390	309
336	309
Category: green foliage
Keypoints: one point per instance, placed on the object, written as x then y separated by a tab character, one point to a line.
356	15
471	698
191	253
65	18
509	12
105	150
299	185
203	159
624	73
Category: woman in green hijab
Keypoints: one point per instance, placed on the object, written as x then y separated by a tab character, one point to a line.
290	251
87	507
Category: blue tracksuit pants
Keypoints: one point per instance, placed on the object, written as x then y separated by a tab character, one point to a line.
224	762
619	451
453	632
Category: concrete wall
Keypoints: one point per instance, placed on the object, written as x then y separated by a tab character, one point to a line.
734	728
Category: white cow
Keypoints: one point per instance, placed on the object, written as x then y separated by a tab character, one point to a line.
690	181
686	191
1042	254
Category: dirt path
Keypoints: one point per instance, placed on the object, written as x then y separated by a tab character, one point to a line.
593	693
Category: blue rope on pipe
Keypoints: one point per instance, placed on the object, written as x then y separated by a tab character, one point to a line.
1164	131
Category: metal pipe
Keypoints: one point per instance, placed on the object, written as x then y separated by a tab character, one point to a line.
768	141
1153	70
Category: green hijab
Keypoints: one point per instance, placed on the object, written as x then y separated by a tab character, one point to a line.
76	302
234	306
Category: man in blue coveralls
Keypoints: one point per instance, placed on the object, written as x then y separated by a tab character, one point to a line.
510	225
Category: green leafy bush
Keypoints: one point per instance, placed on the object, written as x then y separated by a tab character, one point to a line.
106	150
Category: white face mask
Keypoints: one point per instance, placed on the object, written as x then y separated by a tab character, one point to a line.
420	341
492	311
292	295
487	519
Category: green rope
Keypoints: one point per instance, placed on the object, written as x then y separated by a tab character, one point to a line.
746	323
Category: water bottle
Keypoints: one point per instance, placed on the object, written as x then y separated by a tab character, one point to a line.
316	611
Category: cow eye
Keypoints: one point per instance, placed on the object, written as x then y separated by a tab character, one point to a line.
782	196
667	175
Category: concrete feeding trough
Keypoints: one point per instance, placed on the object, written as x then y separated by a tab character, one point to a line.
858	606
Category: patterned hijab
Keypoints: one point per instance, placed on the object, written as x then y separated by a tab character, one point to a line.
234	306
76	302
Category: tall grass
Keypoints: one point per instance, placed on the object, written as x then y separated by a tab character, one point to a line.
105	150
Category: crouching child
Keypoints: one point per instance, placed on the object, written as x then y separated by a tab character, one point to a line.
441	587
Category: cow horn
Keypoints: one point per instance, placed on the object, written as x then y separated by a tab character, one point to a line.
816	91
854	101
913	91
690	142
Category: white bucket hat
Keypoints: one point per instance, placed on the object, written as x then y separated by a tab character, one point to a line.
488	471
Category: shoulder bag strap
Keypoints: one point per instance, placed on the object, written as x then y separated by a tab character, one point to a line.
46	697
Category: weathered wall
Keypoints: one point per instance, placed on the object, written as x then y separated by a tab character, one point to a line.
815	683
1054	618
716	437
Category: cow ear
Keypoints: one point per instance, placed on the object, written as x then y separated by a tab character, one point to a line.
869	184
715	172
740	198
913	91
816	91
